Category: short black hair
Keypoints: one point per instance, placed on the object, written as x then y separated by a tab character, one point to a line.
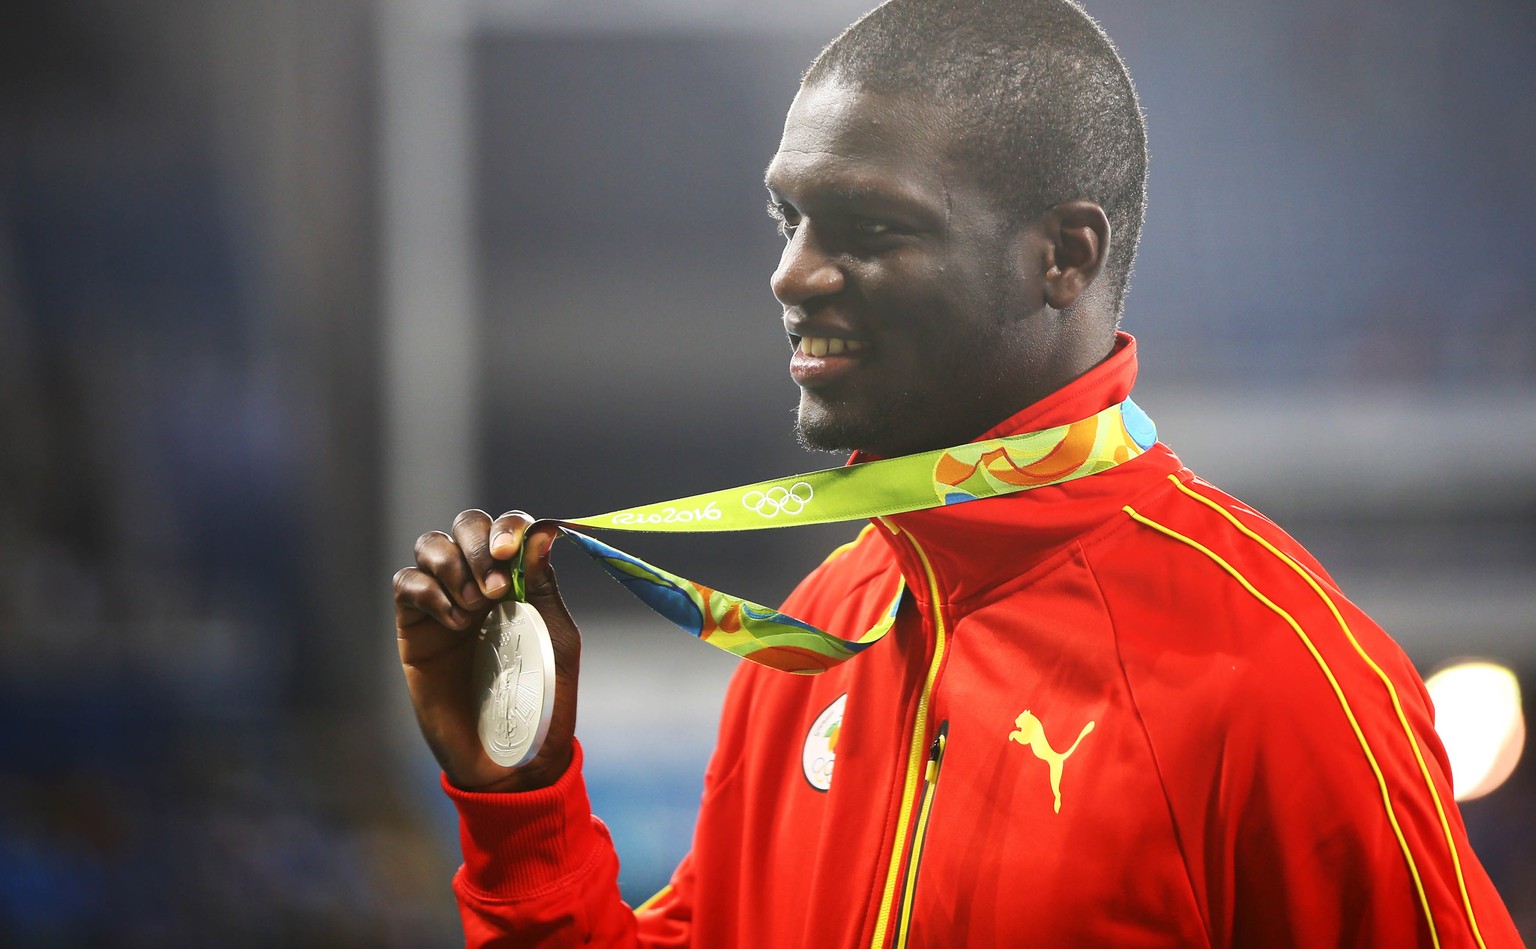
1046	104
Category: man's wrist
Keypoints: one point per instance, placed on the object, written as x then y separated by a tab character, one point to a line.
548	767
518	843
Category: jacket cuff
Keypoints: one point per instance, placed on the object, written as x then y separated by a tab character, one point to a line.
516	844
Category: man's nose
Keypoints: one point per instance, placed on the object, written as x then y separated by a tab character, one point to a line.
806	271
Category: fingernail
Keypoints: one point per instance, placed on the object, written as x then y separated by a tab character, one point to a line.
495	583
470	593
501	540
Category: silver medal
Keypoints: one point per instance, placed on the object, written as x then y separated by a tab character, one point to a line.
514	674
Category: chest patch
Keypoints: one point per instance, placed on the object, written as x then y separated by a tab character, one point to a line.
820	751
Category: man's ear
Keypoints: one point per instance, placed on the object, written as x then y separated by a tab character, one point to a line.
1077	244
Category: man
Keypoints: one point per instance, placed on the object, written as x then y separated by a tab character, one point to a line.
1123	710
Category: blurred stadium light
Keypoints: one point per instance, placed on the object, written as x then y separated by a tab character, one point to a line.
1478	716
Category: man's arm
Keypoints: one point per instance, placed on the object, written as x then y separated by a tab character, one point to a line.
539	869
1347	832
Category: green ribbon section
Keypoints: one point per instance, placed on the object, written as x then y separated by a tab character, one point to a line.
931	479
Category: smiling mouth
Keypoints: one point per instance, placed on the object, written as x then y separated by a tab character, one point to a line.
821	346
820	361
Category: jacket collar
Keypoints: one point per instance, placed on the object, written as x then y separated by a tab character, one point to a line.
978	545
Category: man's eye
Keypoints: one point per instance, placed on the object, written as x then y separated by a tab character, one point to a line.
786	219
868	228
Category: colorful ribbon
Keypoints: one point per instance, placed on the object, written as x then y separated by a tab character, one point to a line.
931	479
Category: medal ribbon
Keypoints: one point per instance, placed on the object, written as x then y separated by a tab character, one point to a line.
970	472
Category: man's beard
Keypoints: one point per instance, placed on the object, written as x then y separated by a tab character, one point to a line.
819	427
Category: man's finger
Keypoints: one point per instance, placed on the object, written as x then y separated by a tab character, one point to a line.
419	595
506	539
472	532
440	556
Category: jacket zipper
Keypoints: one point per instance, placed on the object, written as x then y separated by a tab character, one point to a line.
915	756
920	834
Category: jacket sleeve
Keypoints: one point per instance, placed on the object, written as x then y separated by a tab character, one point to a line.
540	870
1345	831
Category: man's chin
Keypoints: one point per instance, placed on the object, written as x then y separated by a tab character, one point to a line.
818	429
816	440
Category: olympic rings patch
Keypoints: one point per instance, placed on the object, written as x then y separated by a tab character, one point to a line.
820	751
779	499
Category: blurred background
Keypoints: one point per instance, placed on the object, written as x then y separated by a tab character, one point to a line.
283	285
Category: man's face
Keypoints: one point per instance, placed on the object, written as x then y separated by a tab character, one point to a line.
911	301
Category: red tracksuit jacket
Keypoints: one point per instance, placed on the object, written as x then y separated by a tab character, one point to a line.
1123	711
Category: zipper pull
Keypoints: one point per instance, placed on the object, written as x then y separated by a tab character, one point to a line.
935	752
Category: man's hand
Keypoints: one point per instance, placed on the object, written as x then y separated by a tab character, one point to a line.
439	606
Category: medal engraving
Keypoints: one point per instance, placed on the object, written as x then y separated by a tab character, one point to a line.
514	675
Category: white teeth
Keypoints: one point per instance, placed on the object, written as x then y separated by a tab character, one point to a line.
820	346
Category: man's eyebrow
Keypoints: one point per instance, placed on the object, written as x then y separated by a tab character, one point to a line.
867	192
875	196
853	193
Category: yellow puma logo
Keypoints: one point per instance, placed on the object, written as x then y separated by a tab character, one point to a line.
1031	734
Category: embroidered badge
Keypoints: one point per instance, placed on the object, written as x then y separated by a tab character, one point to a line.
820	751
1030	733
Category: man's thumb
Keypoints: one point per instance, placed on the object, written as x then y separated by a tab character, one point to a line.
538	574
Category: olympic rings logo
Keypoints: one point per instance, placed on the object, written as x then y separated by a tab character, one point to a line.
779	499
